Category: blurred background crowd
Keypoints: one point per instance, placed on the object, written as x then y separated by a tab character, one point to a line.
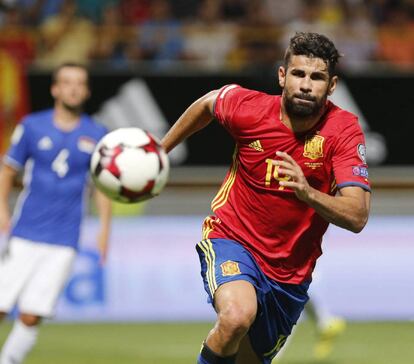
207	34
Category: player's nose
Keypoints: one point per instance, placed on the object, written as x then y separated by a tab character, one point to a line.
306	85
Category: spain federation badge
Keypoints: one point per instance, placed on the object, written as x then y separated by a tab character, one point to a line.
313	148
230	268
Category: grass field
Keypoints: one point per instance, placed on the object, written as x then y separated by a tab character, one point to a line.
362	343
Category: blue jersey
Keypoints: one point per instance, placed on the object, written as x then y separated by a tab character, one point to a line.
56	165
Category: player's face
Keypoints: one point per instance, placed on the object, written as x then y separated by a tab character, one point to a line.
306	86
70	88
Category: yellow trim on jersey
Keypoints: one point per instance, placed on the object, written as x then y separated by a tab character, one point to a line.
210	257
207	227
223	193
333	185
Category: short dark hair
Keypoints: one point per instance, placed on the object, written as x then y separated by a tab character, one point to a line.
68	64
313	45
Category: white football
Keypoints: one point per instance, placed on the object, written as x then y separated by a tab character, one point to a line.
129	165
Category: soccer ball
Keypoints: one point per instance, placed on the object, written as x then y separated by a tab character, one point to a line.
129	165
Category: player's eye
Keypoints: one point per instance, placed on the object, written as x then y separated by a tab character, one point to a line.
298	73
318	77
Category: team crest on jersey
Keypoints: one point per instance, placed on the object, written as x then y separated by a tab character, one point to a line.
313	148
45	143
230	268
86	144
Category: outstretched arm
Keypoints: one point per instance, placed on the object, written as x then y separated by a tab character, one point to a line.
197	116
349	210
7	175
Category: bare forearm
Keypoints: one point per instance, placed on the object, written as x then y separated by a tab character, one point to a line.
349	209
344	211
104	209
7	176
195	118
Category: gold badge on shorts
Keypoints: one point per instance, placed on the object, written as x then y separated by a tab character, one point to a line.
313	148
230	268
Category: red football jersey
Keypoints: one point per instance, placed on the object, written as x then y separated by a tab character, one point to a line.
283	233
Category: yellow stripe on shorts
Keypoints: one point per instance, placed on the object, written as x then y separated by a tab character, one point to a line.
210	258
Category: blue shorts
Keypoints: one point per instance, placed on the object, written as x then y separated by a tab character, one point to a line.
279	304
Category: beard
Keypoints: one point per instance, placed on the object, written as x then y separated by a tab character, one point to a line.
304	110
75	109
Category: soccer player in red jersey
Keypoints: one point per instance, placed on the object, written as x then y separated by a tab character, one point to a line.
299	165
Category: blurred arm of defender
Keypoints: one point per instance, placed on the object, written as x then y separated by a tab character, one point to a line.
104	209
197	116
7	176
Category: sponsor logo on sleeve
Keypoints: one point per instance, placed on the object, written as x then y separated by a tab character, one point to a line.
362	153
230	268
360	171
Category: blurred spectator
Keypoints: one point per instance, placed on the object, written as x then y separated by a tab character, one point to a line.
356	37
261	37
209	39
16	51
281	11
4	6
185	9
93	9
315	16
36	11
160	38
65	37
234	10
111	38
331	12
396	37
15	39
134	12
379	10
258	47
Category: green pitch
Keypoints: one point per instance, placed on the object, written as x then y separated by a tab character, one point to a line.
362	343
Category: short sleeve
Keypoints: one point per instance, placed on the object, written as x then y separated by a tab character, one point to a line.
236	108
18	152
349	159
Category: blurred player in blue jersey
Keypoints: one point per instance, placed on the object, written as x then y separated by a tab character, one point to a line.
53	147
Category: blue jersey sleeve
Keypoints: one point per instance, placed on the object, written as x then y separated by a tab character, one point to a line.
18	152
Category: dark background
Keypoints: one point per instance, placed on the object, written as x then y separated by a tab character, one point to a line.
384	99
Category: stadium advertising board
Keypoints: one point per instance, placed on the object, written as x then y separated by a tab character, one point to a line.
153	274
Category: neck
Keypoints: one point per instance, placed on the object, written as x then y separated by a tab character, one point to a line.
64	118
297	124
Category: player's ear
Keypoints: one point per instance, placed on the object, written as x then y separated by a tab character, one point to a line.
282	76
332	85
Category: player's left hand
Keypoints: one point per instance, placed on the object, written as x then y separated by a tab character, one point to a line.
297	180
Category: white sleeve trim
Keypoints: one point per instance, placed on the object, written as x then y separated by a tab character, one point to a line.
12	162
227	89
